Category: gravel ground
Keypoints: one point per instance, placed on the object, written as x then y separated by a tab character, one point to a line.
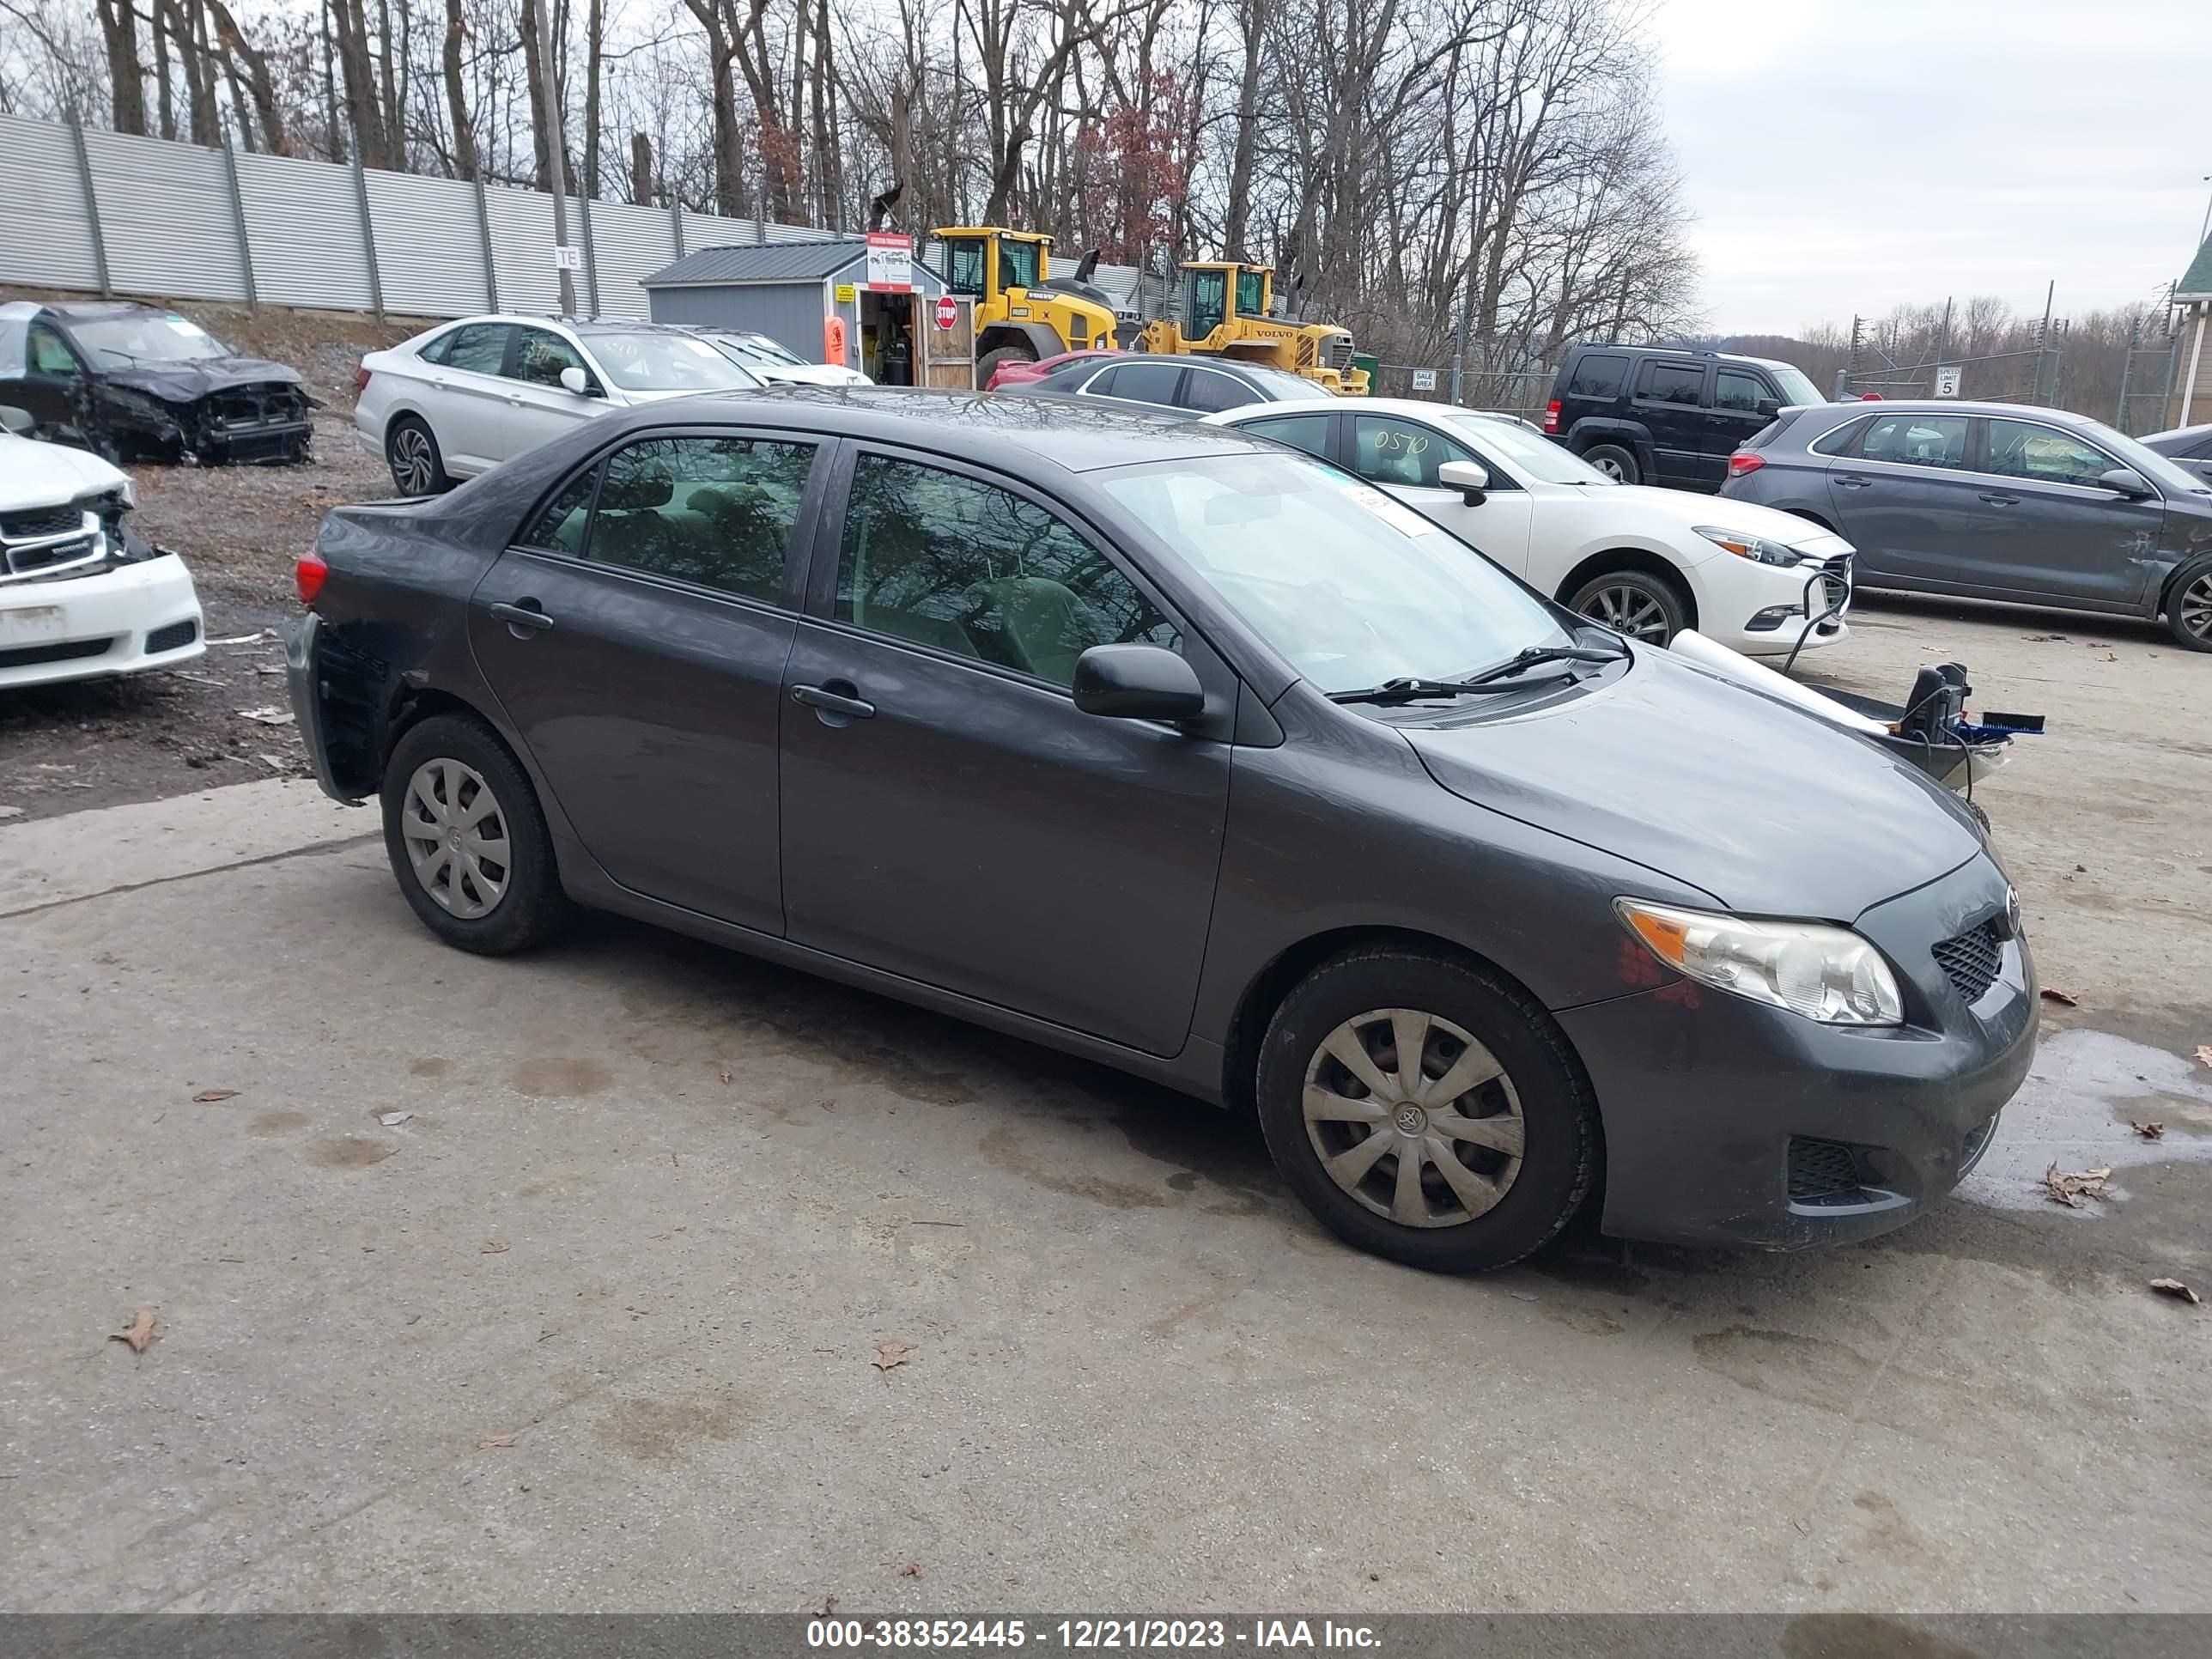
98	742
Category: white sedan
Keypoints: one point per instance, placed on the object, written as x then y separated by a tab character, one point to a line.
460	399
775	363
1647	562
80	598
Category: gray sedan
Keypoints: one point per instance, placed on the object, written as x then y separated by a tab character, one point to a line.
1164	746
1994	501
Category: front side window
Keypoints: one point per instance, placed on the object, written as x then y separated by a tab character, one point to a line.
1251	293
1601	374
718	511
560	526
1017	264
1734	390
479	347
1206	391
1306	432
969	568
50	353
1672	383
1917	440
1402	452
542	355
2043	455
1351	588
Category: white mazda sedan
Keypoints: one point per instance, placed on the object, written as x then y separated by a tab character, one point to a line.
1645	561
457	399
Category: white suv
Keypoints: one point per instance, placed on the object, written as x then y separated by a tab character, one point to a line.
460	399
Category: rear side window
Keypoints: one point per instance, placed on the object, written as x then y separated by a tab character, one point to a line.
1599	374
1306	432
480	348
1672	383
718	512
1917	440
1206	391
1843	440
976	571
1143	383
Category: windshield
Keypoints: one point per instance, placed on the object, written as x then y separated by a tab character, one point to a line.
1794	386
1017	263
1532	451
149	337
757	348
666	362
1279	385
1352	588
2159	469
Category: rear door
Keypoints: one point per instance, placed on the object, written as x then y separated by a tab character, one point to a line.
2056	532
1903	497
637	636
948	814
1669	399
538	406
1148	385
1207	390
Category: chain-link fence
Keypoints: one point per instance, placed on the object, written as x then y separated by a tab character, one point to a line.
1519	391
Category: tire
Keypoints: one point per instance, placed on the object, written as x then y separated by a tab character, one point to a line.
494	906
418	466
987	365
1636	603
2189	608
1495	1207
1614	462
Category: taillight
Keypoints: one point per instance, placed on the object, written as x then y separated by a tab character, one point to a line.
360	379
1552	418
307	575
1745	460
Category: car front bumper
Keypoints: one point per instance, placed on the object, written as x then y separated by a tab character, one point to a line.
122	620
1761	609
1728	1122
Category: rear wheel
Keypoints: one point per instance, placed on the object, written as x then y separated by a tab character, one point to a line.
1614	462
411	450
1426	1110
2188	608
467	839
1635	603
987	365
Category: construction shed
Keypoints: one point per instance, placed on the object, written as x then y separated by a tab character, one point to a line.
788	290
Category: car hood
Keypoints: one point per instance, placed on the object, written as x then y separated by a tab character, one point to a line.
1770	811
185	383
1688	511
35	474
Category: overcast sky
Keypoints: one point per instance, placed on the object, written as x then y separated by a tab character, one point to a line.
1845	155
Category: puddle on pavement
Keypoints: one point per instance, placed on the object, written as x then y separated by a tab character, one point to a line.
2075	1110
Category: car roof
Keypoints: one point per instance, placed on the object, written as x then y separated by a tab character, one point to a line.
1415	408
85	311
1683	351
1189	360
1956	406
1074	434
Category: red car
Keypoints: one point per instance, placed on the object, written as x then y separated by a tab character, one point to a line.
1013	374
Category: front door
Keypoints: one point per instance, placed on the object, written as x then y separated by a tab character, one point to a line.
2064	535
647	695
1903	499
948	815
1743	405
54	389
1670	402
1403	456
538	406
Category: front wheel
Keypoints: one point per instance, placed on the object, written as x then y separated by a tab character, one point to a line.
2188	608
1635	603
1426	1110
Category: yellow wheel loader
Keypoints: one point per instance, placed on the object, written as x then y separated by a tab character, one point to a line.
1023	315
1226	313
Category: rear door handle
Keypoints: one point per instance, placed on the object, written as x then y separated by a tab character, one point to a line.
523	619
1853	483
835	702
1994	500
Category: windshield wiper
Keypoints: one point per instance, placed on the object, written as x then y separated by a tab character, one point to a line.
1408	688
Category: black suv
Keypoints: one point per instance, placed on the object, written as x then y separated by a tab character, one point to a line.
1661	416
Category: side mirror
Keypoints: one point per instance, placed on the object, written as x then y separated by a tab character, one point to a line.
2127	482
17	420
1137	683
1470	479
575	380
1768	408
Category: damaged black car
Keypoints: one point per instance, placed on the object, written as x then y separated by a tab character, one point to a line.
132	382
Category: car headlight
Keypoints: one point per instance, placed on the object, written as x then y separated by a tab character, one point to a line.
1823	973
1752	547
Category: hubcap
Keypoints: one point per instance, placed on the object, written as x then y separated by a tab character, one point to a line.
456	838
2196	606
1611	468
1413	1118
1629	611
410	459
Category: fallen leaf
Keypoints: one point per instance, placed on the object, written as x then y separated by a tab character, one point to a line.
910	1570
825	1606
725	1076
2041	639
493	1247
2204	1054
271	715
2149	1131
139	1333
238	639
393	1119
497	1443
207	1097
2070	1188
2063	998
1523	1295
2177	1290
888	1354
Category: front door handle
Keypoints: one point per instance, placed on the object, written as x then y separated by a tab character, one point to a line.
1855	483
835	697
522	619
1996	500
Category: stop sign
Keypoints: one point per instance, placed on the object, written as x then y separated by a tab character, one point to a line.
947	313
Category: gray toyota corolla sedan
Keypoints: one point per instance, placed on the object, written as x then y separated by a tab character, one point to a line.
1166	746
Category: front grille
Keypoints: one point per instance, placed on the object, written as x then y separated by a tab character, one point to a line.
1823	1172
1835	580
1336	351
19	561
176	634
29	656
236	409
1971	960
40	521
